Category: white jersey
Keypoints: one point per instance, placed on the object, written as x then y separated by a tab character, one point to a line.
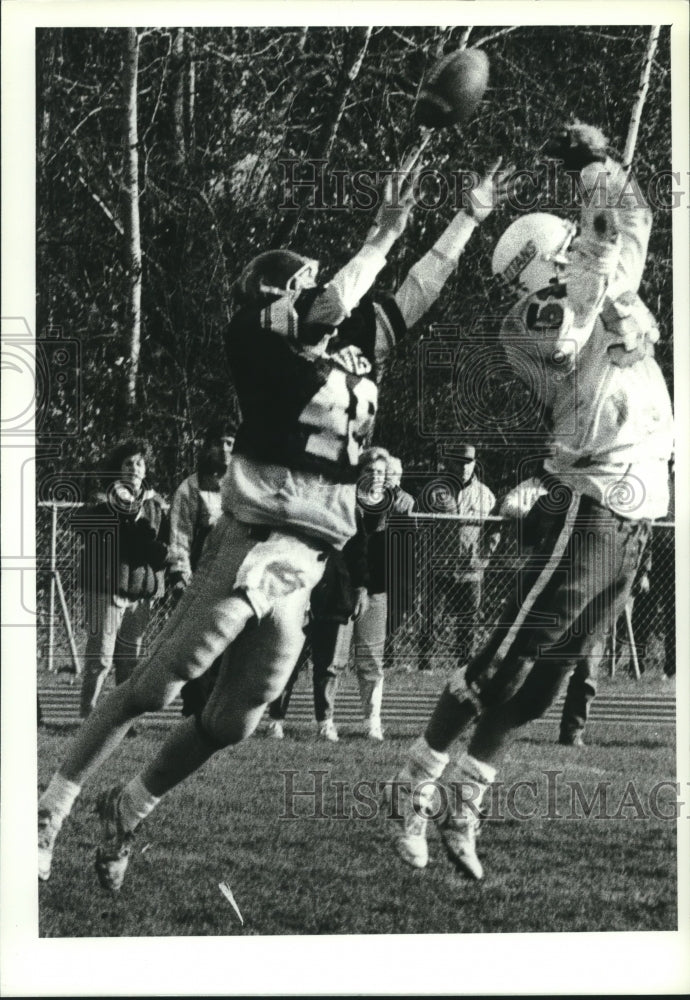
590	344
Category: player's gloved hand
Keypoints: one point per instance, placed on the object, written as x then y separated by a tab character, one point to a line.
577	145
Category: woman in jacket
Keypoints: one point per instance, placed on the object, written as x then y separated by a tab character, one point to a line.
124	555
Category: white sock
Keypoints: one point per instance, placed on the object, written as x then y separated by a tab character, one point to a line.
424	762
136	802
59	796
476	773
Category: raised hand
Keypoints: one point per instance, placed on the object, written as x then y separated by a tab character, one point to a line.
577	145
493	191
397	200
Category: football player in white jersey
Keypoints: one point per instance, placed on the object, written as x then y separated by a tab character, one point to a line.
304	359
586	341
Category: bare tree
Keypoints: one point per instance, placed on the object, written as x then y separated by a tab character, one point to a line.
179	96
132	219
190	93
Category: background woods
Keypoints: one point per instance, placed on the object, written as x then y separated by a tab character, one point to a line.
161	160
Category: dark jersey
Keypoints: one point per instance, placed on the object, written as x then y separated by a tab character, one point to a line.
310	413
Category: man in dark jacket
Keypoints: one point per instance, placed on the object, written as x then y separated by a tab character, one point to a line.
124	534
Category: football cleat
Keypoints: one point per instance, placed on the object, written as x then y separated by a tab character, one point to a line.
459	832
327	731
275	729
571	740
48	828
374	730
408	817
112	857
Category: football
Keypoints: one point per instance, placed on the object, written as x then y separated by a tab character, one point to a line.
452	90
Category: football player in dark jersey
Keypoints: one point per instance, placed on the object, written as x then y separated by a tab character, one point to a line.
304	359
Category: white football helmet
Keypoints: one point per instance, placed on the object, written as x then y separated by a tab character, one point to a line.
532	250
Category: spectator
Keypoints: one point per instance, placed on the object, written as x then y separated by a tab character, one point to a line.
653	611
580	693
462	493
119	591
196	505
400	586
365	637
400	501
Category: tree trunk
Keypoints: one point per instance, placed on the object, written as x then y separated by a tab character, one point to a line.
190	95
48	63
640	98
132	218
180	150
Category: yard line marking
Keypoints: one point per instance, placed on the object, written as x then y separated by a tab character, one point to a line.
225	889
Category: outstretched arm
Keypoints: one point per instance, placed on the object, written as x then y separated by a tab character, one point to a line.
359	274
615	220
426	278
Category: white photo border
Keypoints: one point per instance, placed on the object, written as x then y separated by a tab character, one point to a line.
604	964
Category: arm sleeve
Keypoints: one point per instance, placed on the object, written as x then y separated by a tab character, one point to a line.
356	278
426	278
625	213
608	257
182	518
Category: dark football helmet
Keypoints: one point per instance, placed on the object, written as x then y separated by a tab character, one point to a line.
273	274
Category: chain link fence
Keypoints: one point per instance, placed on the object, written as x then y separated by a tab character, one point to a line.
436	613
440	614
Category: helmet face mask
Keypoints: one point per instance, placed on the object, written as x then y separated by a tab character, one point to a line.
274	274
304	277
533	252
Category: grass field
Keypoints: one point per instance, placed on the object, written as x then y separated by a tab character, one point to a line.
557	871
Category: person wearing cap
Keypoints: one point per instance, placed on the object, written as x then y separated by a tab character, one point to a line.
457	589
